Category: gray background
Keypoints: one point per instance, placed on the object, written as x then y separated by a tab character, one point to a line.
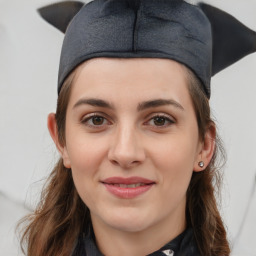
29	54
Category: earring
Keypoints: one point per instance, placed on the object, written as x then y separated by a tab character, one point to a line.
201	164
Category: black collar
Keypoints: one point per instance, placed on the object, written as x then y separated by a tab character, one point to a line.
183	245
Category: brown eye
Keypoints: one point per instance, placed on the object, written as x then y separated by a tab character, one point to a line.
95	121
159	120
98	120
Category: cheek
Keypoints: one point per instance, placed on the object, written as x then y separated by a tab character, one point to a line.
86	156
176	151
85	152
85	162
174	161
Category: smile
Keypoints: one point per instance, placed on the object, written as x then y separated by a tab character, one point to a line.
127	188
129	185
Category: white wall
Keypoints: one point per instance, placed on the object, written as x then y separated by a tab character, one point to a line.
29	54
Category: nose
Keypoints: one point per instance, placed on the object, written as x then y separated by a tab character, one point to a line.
126	148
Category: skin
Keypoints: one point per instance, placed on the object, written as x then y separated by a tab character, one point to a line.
126	141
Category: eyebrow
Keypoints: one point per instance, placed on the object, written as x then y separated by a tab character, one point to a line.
94	102
142	106
158	103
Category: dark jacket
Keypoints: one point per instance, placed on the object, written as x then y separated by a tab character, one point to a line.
182	245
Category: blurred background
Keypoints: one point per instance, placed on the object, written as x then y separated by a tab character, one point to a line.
29	56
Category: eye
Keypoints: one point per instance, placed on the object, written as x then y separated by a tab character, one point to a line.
95	120
160	121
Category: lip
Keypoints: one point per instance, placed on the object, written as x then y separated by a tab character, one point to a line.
111	185
130	180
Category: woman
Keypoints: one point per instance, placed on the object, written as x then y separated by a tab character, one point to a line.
137	173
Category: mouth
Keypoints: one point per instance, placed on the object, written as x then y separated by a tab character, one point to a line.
128	185
128	188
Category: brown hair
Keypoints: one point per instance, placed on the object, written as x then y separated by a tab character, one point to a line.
61	216
202	210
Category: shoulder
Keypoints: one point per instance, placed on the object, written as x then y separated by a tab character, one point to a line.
188	245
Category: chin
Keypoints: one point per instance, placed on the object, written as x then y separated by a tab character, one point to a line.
129	227
129	222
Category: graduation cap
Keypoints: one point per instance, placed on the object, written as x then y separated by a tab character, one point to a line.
202	37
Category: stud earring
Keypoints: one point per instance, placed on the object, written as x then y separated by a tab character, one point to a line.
201	164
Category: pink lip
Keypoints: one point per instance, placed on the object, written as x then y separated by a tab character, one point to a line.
127	193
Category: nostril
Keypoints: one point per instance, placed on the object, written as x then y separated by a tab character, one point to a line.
114	162
125	164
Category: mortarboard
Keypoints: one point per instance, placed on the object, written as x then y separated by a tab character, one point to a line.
202	37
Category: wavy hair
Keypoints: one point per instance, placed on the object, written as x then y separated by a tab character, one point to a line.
204	189
61	216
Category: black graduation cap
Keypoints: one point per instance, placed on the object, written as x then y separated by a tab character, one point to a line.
202	37
232	40
60	14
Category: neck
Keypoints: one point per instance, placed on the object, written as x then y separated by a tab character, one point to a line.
113	241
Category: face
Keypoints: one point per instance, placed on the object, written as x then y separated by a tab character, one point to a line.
132	142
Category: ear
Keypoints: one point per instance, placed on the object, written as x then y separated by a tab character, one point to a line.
52	127
60	14
206	148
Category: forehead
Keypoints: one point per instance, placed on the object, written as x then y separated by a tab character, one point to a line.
126	77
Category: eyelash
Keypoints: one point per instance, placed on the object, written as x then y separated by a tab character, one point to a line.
89	118
166	118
